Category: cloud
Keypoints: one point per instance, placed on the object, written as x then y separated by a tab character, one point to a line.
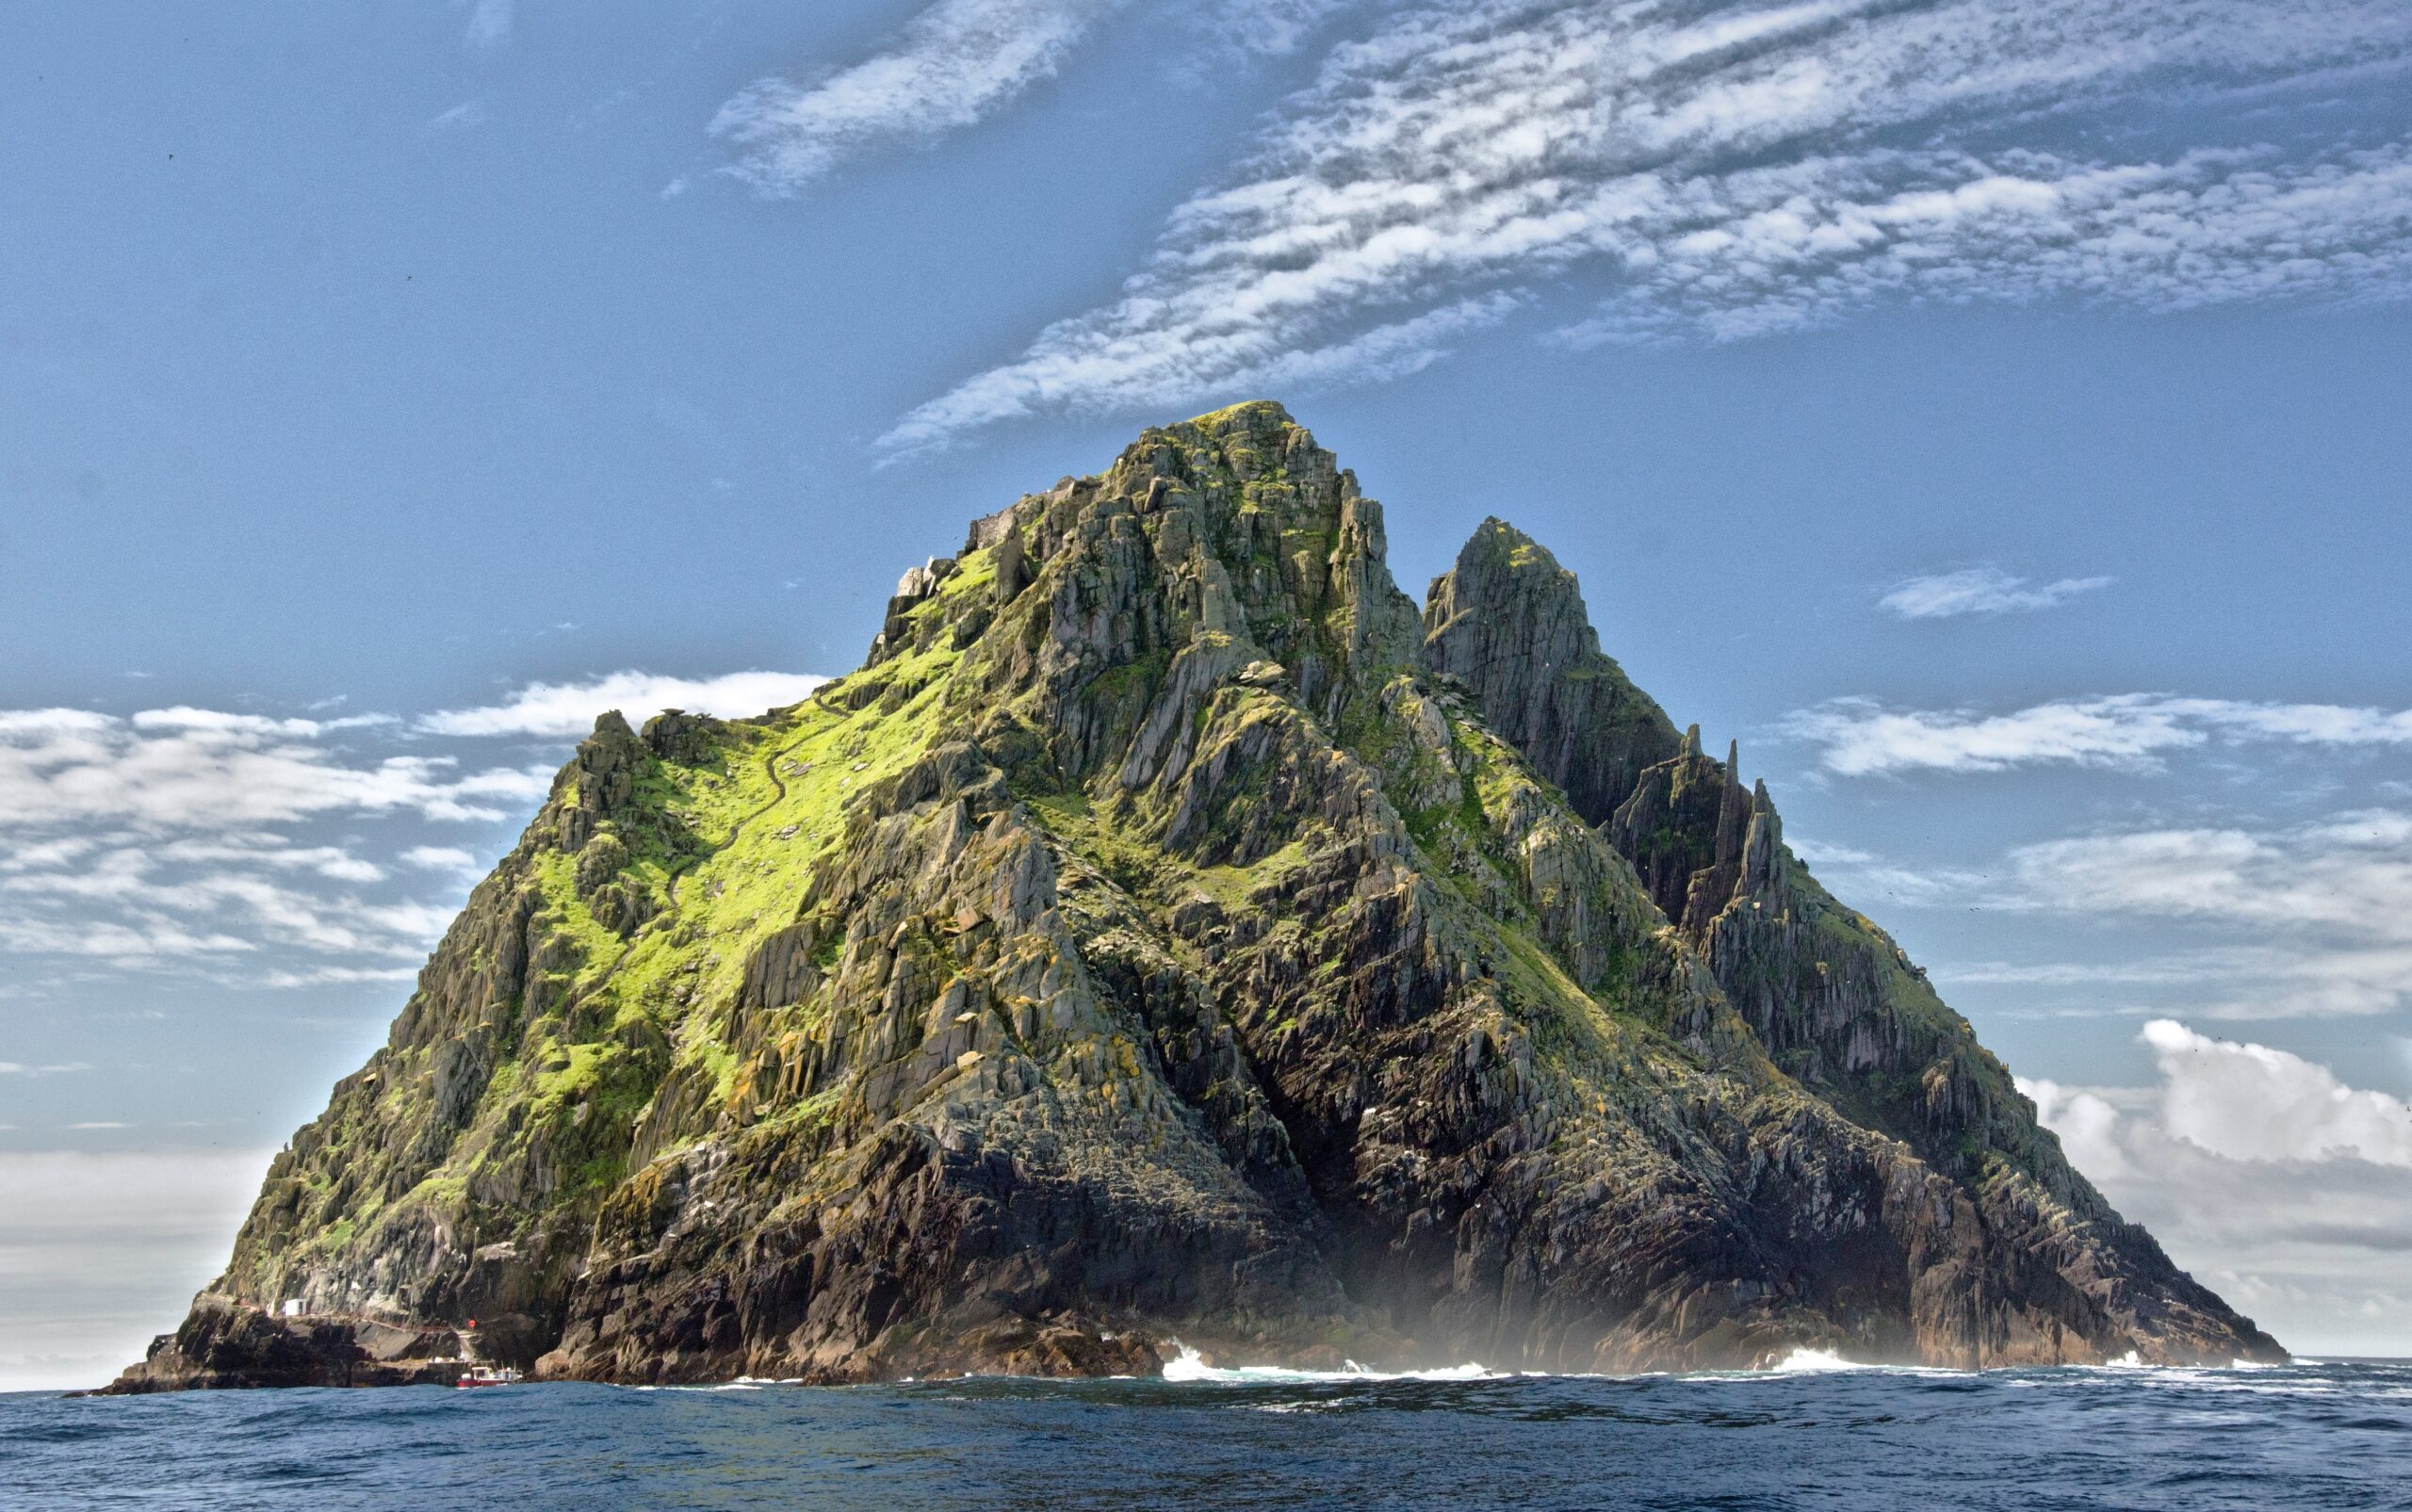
1978	591
324	976
461	117
101	1247
489	23
571	709
166	841
952	65
2296	921
1781	250
2350	872
955	64
2129	731
2249	1102
2265	1174
203	769
161	902
1737	171
438	858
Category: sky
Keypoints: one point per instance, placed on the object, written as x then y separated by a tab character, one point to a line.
1992	416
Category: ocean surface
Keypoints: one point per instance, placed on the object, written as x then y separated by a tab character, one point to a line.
2311	1435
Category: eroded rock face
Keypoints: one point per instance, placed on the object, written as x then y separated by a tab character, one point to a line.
1171	934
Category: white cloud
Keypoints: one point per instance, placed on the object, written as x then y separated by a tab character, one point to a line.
2297	921
135	903
1862	738
2249	1102
100	1249
1756	167
956	63
1979	590
200	769
1784	248
323	976
461	117
2350	874
489	23
438	858
163	840
953	63
571	709
2263	1173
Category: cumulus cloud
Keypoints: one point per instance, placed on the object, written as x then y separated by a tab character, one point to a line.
952	65
2264	1173
2249	1102
202	769
1735	169
1862	738
571	709
1978	591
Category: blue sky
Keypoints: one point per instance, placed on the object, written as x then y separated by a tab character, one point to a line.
1992	416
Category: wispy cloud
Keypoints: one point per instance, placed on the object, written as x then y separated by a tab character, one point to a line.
1979	590
135	903
570	709
438	858
1739	169
1770	251
2297	921
490	22
459	118
1860	736
953	64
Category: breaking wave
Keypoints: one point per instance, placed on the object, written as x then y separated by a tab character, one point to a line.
1190	1366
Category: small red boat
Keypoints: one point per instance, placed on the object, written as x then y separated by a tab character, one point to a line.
489	1375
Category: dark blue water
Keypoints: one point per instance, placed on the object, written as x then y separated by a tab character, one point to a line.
2307	1435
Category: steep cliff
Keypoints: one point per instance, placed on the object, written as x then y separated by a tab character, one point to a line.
1170	934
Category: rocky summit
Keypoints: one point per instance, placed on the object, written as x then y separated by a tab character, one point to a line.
1171	937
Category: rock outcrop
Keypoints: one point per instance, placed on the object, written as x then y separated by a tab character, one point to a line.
1170	935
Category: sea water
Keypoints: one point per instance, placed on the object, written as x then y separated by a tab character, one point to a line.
1819	1433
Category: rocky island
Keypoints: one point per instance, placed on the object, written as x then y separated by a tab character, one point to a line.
1171	934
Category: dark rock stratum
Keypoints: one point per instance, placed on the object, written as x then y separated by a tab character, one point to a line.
1168	935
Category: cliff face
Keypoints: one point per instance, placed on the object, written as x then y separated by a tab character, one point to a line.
1169	934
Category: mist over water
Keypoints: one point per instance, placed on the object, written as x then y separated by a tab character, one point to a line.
1819	1435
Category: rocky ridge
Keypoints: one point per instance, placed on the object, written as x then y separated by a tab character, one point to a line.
1170	934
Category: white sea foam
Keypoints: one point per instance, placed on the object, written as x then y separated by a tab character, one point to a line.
1806	1361
1188	1365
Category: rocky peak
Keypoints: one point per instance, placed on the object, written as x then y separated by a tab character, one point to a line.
1510	622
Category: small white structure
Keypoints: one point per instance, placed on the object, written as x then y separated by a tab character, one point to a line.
293	1307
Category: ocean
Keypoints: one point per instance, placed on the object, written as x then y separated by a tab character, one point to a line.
2310	1435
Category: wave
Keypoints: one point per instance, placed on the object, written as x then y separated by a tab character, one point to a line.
1188	1365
